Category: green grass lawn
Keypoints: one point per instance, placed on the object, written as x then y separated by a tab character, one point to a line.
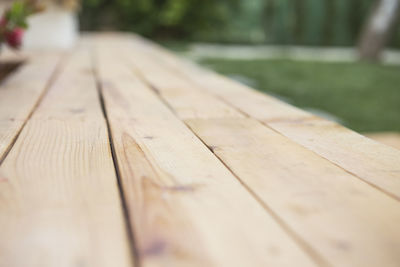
364	97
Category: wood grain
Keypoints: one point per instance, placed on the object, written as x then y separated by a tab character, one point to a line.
252	182
388	138
59	200
374	163
187	101
186	208
20	93
346	221
253	156
239	96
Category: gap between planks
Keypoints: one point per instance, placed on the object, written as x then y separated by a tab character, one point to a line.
47	84
121	82
157	90
104	234
304	245
128	219
301	243
278	125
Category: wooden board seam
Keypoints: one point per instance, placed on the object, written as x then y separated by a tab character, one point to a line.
318	259
128	221
300	242
53	76
313	117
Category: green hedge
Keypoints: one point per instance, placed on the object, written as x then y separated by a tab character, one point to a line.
158	18
300	22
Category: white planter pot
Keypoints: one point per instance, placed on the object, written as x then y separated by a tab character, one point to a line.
55	28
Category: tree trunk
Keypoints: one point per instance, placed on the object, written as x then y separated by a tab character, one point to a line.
378	29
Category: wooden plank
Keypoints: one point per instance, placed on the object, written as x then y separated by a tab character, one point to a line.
376	164
388	138
187	101
60	204
235	92
237	95
20	93
346	221
186	208
9	55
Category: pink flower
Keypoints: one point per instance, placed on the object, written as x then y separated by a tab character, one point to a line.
14	37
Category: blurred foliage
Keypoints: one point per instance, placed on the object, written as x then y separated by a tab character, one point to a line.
158	18
300	22
316	22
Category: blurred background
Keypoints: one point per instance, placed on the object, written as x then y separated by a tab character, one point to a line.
339	59
291	22
305	52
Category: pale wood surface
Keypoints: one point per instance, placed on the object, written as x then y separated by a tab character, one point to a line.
187	209
325	205
20	93
59	202
375	164
204	171
388	138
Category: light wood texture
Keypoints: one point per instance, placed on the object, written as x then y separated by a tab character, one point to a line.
376	164
346	245
388	138
346	221
186	208
373	162
187	100
59	203
242	98
9	55
198	171
20	93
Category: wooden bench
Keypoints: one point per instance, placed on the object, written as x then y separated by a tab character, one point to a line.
118	153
